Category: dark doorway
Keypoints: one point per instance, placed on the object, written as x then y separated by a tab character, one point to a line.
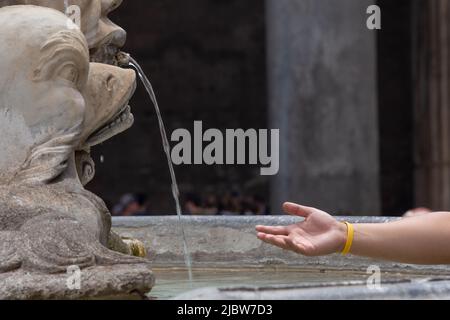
396	107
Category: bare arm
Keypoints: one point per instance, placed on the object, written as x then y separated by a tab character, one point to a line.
418	240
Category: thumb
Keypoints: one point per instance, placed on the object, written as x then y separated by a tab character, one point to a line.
297	210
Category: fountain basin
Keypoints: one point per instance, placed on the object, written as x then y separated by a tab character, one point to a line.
231	263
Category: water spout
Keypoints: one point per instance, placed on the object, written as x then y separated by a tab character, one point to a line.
126	60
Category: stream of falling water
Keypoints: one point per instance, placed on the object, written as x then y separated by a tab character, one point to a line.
175	191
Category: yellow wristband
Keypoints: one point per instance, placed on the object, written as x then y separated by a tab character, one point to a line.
350	236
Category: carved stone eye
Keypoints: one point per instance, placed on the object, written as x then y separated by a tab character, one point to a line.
69	73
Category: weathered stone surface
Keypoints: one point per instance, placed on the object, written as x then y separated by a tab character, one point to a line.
331	291
118	282
53	104
230	242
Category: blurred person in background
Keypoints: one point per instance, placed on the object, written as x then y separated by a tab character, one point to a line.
132	205
211	205
261	208
417	212
230	204
248	206
193	204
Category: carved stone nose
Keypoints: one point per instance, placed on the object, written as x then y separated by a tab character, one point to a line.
109	39
118	37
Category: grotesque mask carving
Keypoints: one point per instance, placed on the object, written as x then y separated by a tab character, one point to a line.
103	36
53	104
104	40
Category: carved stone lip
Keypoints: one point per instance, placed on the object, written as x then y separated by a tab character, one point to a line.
118	123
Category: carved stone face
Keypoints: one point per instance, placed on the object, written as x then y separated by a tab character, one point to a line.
103	36
53	102
54	106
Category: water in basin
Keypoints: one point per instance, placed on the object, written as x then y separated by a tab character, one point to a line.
173	282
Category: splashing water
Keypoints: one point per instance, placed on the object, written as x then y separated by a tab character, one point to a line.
175	191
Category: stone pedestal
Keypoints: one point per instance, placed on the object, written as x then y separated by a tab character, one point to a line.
322	85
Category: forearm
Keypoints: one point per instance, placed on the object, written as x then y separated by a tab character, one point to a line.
419	240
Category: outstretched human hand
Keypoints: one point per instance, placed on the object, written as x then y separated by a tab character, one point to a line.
319	234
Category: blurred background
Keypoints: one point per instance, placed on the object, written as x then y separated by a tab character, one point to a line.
363	114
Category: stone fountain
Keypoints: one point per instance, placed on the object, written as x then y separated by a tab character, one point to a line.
61	94
55	105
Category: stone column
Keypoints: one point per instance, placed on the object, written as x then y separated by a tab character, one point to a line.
432	103
322	86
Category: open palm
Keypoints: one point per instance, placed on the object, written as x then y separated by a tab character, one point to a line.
319	233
